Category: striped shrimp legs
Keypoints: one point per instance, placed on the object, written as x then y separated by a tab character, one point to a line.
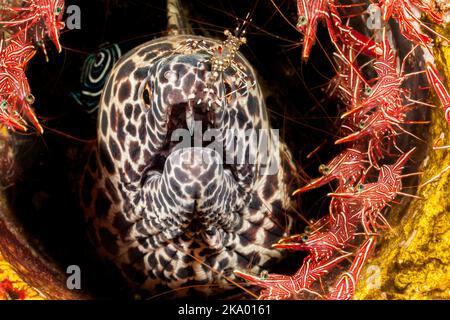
345	287
403	12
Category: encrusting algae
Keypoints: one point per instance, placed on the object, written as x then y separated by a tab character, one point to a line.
12	287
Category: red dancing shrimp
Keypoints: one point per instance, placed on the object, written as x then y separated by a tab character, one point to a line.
339	32
374	196
382	113
376	126
322	245
403	12
346	167
277	287
347	84
15	91
387	92
344	215
311	12
43	17
347	207
387	88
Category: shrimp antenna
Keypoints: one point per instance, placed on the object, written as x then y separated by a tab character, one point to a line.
241	28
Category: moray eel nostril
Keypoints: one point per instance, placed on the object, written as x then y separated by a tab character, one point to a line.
170	214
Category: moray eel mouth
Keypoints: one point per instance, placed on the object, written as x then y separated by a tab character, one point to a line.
187	171
188	121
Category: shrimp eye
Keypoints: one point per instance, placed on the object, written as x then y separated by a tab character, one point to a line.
360	187
147	95
305	238
30	99
302	21
58	11
308	229
324	169
4	104
264	275
362	124
368	91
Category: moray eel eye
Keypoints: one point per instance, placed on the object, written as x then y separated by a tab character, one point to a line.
147	95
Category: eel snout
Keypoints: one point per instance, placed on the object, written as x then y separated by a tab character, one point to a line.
194	194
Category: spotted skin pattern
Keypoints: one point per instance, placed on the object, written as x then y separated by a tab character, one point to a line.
167	216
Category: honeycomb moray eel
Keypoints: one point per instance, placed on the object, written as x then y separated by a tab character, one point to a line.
171	215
